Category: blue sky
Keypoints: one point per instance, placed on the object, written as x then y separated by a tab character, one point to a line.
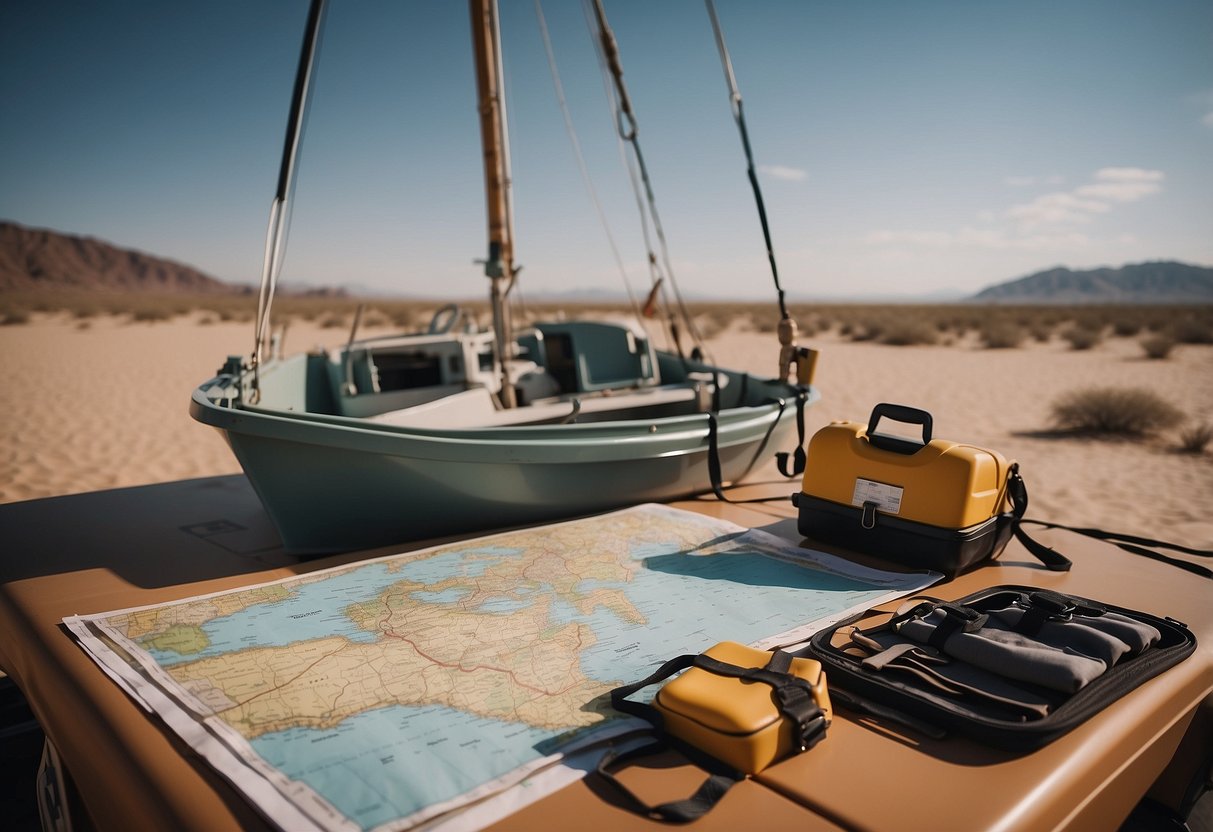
905	147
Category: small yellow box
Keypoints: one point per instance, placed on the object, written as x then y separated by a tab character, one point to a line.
736	720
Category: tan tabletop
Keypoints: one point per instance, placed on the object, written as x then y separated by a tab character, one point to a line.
109	550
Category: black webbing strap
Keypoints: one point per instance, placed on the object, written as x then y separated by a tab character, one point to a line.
793	696
1018	492
708	794
1043	606
715	475
800	456
1136	545
957	619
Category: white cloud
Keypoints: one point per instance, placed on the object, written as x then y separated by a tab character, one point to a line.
1119	191
1080	205
1055	208
783	172
1207	121
1129	175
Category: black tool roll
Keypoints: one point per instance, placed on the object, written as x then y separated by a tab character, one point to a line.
1010	666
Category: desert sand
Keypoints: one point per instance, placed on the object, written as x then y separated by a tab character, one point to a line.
104	404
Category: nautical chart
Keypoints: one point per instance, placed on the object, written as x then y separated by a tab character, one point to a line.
386	693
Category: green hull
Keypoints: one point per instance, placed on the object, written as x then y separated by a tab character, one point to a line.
332	482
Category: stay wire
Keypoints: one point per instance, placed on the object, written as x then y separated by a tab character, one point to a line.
739	117
282	207
581	163
656	279
627	126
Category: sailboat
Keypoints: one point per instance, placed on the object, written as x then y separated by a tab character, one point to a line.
417	435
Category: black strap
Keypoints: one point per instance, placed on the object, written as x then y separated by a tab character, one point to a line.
781	458
715	476
1135	545
1043	606
1132	544
708	794
1018	492
957	619
793	696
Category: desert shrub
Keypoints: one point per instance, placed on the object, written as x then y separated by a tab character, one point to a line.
1112	410
764	323
1082	338
150	314
1041	332
14	318
332	322
1157	346
1192	331
907	333
1001	335
1126	327
1194	439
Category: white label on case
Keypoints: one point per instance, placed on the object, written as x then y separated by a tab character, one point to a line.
886	497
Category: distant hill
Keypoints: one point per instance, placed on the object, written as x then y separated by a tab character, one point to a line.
1158	282
33	258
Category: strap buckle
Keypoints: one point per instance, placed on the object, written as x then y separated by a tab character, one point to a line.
796	702
970	620
1060	607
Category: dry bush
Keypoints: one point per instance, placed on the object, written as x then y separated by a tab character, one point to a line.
912	332
1001	335
1041	332
1111	410
15	317
151	314
1194	439
1082	338
1157	346
333	322
1192	331
1127	327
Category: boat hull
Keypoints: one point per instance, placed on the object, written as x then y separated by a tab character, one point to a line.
332	483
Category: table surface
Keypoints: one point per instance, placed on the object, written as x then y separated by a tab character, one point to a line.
109	550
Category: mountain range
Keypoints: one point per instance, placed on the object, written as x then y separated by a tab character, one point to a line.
1153	282
33	258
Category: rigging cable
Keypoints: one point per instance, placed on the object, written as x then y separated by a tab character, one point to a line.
739	117
581	163
627	126
280	208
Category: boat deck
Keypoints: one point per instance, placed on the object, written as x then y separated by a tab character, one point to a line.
108	550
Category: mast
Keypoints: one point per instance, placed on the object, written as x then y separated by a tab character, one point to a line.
499	265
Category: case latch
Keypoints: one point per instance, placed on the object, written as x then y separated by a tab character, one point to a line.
868	520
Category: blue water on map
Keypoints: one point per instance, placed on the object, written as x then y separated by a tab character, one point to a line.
751	596
317	610
394	761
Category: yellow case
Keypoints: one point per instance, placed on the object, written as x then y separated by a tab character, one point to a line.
946	484
734	720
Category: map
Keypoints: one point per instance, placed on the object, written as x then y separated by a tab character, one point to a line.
390	692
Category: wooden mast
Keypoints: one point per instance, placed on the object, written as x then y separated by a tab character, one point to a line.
499	265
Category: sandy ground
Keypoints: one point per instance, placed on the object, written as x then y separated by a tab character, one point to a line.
107	406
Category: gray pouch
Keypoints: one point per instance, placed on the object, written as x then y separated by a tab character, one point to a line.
1003	652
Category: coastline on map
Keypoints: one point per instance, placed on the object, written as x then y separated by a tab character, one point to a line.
97	392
